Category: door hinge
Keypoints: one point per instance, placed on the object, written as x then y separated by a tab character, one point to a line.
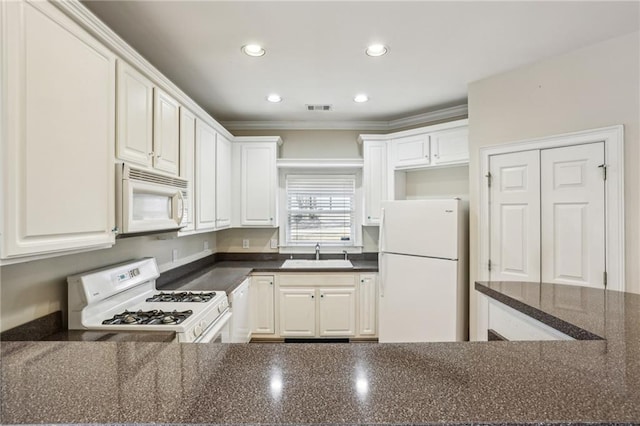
604	171
604	278
489	264
488	176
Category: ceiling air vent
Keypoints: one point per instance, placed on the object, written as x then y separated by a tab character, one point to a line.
319	107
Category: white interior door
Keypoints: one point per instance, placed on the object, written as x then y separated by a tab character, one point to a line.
573	217
514	210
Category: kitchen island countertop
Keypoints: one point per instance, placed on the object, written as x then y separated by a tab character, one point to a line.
594	381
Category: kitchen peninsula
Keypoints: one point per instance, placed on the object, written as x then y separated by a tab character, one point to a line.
595	381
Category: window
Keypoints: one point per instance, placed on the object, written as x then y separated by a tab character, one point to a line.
320	209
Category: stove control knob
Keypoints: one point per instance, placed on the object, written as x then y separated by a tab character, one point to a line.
203	324
197	330
220	308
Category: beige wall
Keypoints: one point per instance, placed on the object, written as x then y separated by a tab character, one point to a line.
33	289
593	87
313	143
438	183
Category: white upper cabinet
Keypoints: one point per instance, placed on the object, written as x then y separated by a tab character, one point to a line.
205	178
135	116
166	132
374	179
450	146
148	123
58	97
410	151
258	182
223	182
187	163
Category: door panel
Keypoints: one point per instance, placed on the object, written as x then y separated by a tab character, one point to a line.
297	312
262	303
205	176
337	312
573	217
515	216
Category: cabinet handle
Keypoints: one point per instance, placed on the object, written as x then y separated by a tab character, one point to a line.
322	295
159	155
312	296
368	217
271	283
115	230
150	154
362	281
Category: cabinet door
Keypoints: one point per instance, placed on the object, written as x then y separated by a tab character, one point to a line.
135	116
367	298
166	135
59	122
410	151
451	146
258	184
297	312
223	182
187	164
205	176
375	180
337	308
262	304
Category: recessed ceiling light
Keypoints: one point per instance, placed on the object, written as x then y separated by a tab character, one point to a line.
376	50
253	50
361	98
274	98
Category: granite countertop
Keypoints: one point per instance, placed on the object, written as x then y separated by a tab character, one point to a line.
227	275
594	381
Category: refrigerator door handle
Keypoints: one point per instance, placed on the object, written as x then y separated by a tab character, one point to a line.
381	238
381	273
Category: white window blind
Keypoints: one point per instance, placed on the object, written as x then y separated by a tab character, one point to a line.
320	208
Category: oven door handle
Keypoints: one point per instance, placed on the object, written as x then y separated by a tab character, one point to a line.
214	329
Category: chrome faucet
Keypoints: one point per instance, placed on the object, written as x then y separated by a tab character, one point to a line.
317	251
345	254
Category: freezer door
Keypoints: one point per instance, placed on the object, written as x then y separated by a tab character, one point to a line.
421	228
418	299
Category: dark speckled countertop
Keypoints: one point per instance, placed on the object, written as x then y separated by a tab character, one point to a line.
229	274
551	382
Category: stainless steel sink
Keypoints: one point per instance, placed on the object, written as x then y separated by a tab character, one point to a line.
327	263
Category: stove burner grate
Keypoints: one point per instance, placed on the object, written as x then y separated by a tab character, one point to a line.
155	317
182	297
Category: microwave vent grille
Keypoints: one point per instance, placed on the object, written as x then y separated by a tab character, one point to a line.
145	176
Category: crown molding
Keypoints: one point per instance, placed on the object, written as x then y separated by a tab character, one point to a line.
320	163
458	111
305	125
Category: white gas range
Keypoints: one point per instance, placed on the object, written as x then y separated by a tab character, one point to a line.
123	297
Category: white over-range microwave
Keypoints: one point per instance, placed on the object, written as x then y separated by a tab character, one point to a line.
149	202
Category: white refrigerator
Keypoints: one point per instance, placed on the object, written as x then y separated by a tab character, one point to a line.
423	272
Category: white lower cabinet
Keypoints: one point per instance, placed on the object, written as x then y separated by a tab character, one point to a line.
314	305
297	312
337	312
368	308
262	305
510	324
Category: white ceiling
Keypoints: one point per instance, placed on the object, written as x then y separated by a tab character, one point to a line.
315	50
